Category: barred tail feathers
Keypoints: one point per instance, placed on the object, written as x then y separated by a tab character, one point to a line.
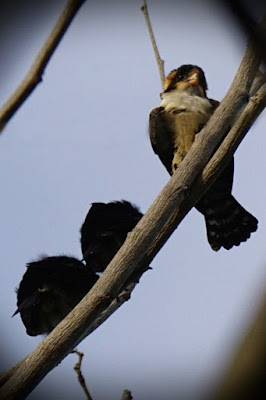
228	224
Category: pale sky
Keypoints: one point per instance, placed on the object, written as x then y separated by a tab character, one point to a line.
82	137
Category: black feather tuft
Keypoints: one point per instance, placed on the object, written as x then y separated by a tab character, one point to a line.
228	224
50	288
104	231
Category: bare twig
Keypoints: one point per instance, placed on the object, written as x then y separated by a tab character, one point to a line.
35	73
160	62
126	395
182	191
81	379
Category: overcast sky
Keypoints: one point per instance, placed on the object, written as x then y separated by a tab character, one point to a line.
82	137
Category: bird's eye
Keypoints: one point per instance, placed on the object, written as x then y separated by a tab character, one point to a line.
179	77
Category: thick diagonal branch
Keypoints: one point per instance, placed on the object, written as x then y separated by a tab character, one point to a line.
34	76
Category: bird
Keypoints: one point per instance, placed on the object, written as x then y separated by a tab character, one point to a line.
184	111
105	229
50	288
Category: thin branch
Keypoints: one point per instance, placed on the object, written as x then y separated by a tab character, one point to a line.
126	395
160	62
81	379
182	191
34	76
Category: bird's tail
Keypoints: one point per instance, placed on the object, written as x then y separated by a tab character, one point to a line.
228	224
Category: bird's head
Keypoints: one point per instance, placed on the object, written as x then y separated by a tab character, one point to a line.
187	78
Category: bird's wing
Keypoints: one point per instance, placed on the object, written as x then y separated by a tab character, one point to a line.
161	137
214	103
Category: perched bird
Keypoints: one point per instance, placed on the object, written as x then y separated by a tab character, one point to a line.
104	231
50	288
184	110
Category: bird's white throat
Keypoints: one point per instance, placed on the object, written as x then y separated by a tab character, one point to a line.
182	101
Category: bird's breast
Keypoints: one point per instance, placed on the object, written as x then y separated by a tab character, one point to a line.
176	102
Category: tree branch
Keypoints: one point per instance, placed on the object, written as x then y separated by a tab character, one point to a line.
81	379
245	120
259	80
160	62
182	191
34	76
7	374
115	304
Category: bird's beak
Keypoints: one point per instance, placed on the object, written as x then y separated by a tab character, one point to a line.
193	80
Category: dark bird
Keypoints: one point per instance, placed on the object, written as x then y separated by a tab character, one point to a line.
50	288
184	110
104	231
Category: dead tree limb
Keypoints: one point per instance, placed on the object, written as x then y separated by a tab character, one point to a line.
182	191
81	379
34	76
159	61
115	304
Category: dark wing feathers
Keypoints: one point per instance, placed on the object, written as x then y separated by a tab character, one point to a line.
214	104
161	137
50	288
105	229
